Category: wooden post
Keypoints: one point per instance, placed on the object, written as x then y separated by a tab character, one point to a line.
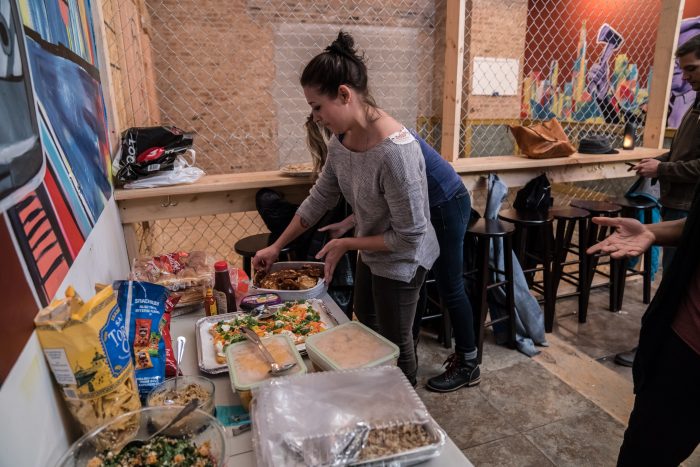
660	87
132	241
452	89
104	60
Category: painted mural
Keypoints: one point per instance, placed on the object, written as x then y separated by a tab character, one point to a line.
606	89
54	155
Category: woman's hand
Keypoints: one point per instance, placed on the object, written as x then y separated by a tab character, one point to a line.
266	257
631	237
331	254
339	229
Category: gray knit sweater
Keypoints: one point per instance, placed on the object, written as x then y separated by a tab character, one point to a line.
387	189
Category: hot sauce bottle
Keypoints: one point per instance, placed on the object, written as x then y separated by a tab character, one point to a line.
210	308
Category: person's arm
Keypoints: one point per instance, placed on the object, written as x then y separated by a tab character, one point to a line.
632	238
667	233
402	182
264	258
322	197
679	171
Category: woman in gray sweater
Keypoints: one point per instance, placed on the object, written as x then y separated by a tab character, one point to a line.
380	170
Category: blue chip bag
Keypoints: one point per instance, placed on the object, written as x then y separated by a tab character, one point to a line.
144	305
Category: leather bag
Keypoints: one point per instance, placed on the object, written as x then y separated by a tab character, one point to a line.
543	140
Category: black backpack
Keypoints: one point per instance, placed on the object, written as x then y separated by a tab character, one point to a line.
536	195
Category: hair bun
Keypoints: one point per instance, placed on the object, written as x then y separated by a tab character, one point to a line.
343	45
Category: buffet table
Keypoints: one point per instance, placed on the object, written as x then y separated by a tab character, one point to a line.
240	447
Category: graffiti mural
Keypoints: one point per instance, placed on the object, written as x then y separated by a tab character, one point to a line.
54	155
604	90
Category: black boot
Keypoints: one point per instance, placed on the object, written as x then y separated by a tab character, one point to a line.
459	372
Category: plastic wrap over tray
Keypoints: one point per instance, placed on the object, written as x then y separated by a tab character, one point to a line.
351	410
316	291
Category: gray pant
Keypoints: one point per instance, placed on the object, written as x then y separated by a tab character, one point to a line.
388	307
670	214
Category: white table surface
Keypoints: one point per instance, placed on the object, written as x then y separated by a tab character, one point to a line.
240	448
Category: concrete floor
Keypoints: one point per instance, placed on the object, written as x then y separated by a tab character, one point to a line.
566	407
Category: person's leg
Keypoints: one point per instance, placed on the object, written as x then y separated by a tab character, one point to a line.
450	223
395	304
362	301
664	427
670	214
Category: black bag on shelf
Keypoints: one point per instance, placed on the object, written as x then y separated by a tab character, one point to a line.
536	195
146	151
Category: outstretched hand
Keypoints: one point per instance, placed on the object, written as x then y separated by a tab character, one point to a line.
331	254
265	258
630	238
339	229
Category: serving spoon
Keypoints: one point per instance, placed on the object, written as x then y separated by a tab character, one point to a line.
137	443
275	368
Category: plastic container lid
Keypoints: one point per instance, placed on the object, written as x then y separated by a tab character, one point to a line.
220	266
248	368
350	345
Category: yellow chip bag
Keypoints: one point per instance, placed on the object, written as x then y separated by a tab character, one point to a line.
86	345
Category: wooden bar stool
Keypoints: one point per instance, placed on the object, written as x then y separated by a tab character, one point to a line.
630	208
248	246
566	219
430	299
595	234
539	223
486	231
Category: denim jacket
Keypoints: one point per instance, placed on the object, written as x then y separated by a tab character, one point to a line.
529	326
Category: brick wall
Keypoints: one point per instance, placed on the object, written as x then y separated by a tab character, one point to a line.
228	69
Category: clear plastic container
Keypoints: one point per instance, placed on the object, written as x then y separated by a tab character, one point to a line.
350	345
349	410
188	388
248	368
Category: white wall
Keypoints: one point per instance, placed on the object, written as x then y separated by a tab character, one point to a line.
35	427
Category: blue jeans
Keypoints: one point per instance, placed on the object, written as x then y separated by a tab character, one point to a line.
450	220
670	214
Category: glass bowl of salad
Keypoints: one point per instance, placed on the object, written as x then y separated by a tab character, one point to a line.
198	439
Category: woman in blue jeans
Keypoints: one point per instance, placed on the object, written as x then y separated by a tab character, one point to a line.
450	209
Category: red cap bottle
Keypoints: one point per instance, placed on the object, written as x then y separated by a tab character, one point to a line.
222	284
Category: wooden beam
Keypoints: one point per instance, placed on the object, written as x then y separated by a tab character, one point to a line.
452	88
132	241
660	88
113	123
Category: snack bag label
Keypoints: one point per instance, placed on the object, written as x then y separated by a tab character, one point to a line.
58	361
115	342
145	305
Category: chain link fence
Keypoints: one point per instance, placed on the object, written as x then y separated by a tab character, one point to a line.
228	70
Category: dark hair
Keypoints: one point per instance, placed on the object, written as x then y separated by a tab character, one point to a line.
691	45
338	64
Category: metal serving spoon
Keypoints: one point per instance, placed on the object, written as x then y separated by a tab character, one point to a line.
137	443
275	368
